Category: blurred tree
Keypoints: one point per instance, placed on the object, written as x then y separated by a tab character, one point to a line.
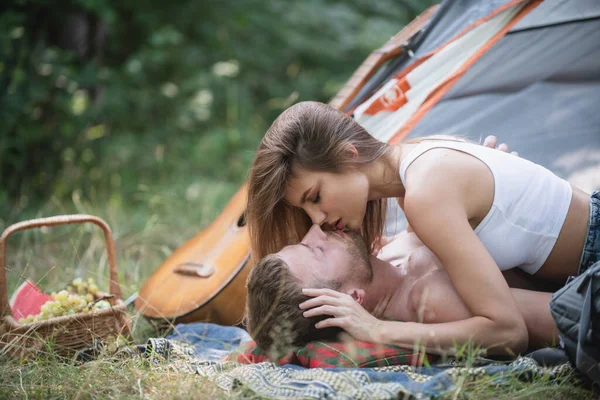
95	91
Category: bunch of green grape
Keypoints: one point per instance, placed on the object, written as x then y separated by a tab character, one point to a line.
82	287
78	297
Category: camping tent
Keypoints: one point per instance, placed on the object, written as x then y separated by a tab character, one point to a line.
525	71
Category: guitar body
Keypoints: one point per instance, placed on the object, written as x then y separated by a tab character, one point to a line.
205	278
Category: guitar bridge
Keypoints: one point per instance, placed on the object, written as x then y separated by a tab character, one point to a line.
194	269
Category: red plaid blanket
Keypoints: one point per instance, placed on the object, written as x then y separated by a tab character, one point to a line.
335	354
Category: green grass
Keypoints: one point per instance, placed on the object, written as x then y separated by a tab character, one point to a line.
103	379
513	388
147	229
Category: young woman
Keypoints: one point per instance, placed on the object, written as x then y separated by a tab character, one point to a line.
479	210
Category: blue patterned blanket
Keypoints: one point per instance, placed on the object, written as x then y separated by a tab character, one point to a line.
197	348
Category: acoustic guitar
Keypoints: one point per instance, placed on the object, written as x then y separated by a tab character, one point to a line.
205	278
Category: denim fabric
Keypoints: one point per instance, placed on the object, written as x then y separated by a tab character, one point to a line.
211	342
591	248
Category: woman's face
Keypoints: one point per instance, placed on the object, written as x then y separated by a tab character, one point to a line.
336	200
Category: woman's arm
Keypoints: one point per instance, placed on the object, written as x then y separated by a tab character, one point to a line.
346	313
438	212
434	300
534	306
444	338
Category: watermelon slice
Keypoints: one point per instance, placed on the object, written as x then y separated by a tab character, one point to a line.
27	300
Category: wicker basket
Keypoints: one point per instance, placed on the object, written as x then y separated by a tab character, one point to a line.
67	333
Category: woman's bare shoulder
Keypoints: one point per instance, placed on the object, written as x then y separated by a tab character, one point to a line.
436	166
447	178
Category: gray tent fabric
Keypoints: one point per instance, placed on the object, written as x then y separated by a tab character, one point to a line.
529	96
537	89
456	15
451	18
555	12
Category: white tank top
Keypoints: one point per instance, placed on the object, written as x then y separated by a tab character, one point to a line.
529	209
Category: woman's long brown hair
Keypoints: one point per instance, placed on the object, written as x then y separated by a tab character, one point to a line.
315	137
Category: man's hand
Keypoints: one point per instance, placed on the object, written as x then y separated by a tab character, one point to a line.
491	142
345	311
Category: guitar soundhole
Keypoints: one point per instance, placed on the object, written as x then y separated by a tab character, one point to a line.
242	220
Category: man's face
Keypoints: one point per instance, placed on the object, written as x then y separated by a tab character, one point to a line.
326	257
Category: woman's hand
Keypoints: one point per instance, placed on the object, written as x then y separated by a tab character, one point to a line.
346	313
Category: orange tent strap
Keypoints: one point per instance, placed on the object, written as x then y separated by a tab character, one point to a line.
437	94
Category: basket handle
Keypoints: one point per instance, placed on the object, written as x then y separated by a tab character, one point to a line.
114	287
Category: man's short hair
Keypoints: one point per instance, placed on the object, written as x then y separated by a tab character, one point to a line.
273	317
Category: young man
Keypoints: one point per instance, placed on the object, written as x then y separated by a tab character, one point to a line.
372	291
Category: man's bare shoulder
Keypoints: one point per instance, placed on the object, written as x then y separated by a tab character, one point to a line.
398	248
432	297
434	300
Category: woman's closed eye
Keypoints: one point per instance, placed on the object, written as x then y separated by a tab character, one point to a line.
317	198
